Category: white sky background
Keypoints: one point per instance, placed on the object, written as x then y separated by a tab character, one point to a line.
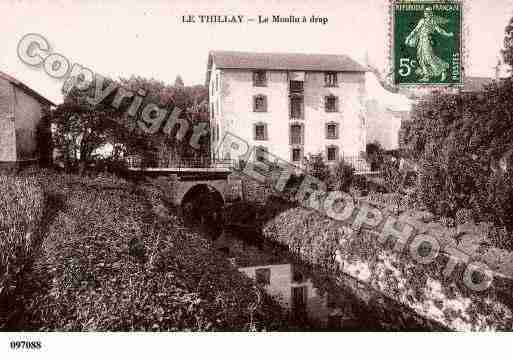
121	38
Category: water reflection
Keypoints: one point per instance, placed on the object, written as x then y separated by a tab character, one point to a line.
316	302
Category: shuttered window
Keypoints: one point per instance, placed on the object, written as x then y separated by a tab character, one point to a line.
296	134
332	153
330	79
260	103
296	154
260	132
331	103
259	78
332	131
296	86
296	107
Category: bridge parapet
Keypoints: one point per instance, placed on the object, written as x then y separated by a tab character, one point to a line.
177	182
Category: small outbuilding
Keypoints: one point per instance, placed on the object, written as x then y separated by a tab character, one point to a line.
24	137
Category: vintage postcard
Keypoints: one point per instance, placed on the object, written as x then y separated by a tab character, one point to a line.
225	166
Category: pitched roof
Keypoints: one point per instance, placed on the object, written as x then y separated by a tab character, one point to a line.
476	84
283	61
26	89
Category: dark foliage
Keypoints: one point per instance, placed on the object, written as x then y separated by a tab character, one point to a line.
464	145
342	178
374	154
82	129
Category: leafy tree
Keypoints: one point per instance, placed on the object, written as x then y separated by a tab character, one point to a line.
464	145
316	167
82	129
343	177
374	153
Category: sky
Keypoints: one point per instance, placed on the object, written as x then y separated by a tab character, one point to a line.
149	39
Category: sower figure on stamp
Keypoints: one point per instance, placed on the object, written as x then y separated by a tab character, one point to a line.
430	65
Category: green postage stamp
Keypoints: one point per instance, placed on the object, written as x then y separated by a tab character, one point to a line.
427	42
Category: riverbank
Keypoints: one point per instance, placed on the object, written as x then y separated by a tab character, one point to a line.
113	258
334	248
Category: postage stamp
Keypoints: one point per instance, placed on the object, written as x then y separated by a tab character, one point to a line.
427	42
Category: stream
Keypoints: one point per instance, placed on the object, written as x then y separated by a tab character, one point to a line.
315	301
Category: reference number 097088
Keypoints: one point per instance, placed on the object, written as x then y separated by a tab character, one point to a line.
22	345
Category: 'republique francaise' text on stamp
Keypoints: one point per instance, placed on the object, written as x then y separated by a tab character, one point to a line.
427	42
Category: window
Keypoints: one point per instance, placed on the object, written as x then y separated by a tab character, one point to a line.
332	131
261	154
260	103
332	153
217	82
296	155
331	103
330	79
259	78
260	132
296	86
296	134
296	107
263	276
212	113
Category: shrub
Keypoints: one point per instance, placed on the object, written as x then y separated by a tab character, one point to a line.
342	177
392	175
360	185
316	167
374	154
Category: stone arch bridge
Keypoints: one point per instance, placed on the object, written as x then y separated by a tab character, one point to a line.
190	183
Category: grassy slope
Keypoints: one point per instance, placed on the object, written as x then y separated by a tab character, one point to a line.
21	212
114	258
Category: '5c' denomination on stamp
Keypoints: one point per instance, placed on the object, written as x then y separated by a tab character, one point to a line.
427	42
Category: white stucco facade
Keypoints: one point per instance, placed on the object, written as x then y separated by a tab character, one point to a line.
385	111
232	96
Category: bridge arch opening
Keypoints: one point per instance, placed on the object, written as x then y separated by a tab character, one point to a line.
203	202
